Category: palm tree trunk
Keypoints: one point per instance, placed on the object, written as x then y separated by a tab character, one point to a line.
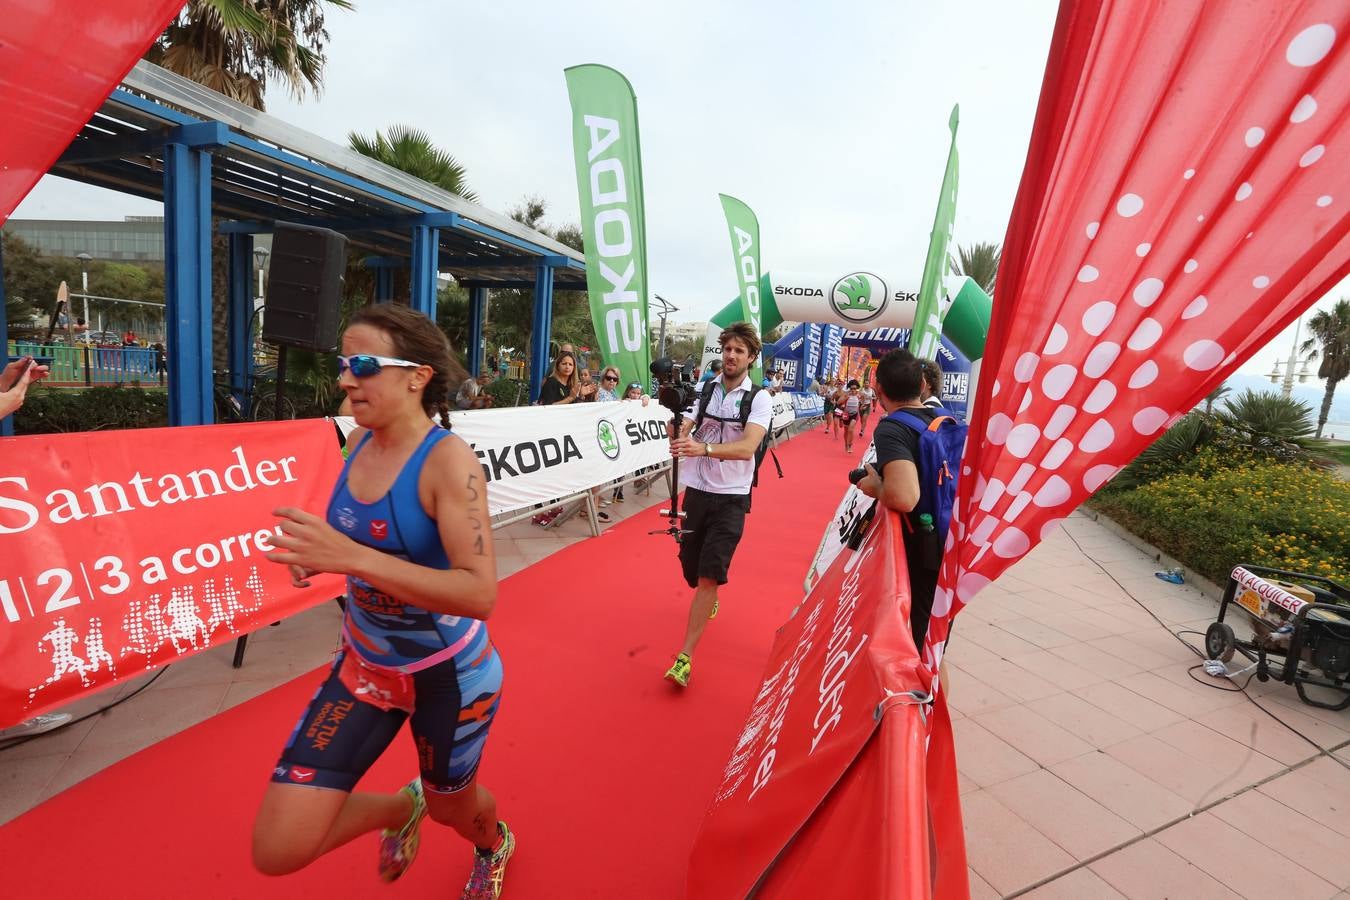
1326	404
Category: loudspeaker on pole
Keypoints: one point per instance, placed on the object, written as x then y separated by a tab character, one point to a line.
304	287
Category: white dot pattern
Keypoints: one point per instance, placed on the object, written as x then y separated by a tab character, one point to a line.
1310	46
1208	244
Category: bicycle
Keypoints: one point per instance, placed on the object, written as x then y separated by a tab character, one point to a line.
259	398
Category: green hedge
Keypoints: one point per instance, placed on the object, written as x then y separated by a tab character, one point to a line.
506	392
47	411
1215	514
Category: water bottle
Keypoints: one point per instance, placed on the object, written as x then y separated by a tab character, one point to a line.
925	522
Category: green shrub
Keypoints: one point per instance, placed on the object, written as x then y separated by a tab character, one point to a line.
506	392
1215	514
115	407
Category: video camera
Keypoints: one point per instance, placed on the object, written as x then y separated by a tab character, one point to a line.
675	387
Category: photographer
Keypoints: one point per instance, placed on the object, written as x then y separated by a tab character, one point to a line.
897	482
717	467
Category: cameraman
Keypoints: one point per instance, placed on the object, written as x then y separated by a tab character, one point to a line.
717	466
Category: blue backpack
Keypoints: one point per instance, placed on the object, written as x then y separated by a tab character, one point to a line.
941	443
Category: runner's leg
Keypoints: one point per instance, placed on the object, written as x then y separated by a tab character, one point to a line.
699	610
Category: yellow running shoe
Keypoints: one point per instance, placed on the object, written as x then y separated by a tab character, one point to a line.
713	614
398	848
485	882
679	672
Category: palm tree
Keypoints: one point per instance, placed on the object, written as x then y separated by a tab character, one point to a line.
1268	420
979	262
1215	396
411	150
1331	329
234	46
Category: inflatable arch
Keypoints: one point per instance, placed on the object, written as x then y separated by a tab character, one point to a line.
863	307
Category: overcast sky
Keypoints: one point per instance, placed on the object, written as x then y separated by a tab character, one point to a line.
828	119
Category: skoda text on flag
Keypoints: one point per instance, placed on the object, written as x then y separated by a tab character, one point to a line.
118	560
613	219
744	229
1175	214
923	341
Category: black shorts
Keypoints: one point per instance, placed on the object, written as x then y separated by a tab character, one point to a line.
715	523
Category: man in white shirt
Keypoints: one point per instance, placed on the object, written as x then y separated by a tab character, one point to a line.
717	466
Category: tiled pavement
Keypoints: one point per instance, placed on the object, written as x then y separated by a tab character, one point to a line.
1092	765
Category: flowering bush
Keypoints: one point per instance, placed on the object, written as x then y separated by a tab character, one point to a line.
1217	512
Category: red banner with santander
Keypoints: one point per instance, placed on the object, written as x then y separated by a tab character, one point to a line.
829	783
124	550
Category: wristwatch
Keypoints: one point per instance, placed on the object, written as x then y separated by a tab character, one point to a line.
707	449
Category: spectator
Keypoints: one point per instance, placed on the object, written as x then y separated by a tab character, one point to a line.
931	393
15	379
714	369
471	394
589	387
562	384
609	384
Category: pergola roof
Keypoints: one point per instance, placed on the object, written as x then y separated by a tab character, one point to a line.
266	170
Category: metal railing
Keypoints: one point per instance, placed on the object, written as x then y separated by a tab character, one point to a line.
73	366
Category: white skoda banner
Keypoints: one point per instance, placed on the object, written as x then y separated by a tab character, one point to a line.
535	454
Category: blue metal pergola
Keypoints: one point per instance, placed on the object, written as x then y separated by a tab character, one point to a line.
209	159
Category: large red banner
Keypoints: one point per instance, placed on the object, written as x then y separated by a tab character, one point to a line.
59	60
811	761
124	550
1186	196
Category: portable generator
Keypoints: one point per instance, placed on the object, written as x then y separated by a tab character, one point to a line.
1300	630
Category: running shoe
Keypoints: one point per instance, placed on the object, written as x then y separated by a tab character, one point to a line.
713	614
679	672
485	882
398	848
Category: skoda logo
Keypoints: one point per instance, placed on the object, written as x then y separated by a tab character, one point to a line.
859	297
607	438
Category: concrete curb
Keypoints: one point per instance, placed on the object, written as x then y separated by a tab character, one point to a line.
1193	578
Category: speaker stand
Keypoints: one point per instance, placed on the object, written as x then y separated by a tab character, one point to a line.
281	380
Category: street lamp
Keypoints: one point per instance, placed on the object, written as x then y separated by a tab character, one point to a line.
666	309
1287	382
260	255
85	259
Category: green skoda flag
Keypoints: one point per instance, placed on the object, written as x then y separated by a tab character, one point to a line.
923	340
613	218
744	229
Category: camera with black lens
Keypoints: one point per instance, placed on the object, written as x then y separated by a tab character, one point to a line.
675	388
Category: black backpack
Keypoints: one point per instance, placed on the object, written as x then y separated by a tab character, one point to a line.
705	397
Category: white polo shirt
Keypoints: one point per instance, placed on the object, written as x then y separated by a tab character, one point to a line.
724	476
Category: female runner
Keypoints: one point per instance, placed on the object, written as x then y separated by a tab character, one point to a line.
408	525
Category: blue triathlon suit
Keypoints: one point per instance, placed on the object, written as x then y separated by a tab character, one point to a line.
399	662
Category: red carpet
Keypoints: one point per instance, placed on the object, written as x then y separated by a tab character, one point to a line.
601	767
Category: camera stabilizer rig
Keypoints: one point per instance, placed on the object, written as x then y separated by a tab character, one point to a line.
676	392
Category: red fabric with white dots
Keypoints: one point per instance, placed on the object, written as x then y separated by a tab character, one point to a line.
1186	196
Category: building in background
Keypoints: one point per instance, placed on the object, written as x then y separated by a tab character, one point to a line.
134	239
